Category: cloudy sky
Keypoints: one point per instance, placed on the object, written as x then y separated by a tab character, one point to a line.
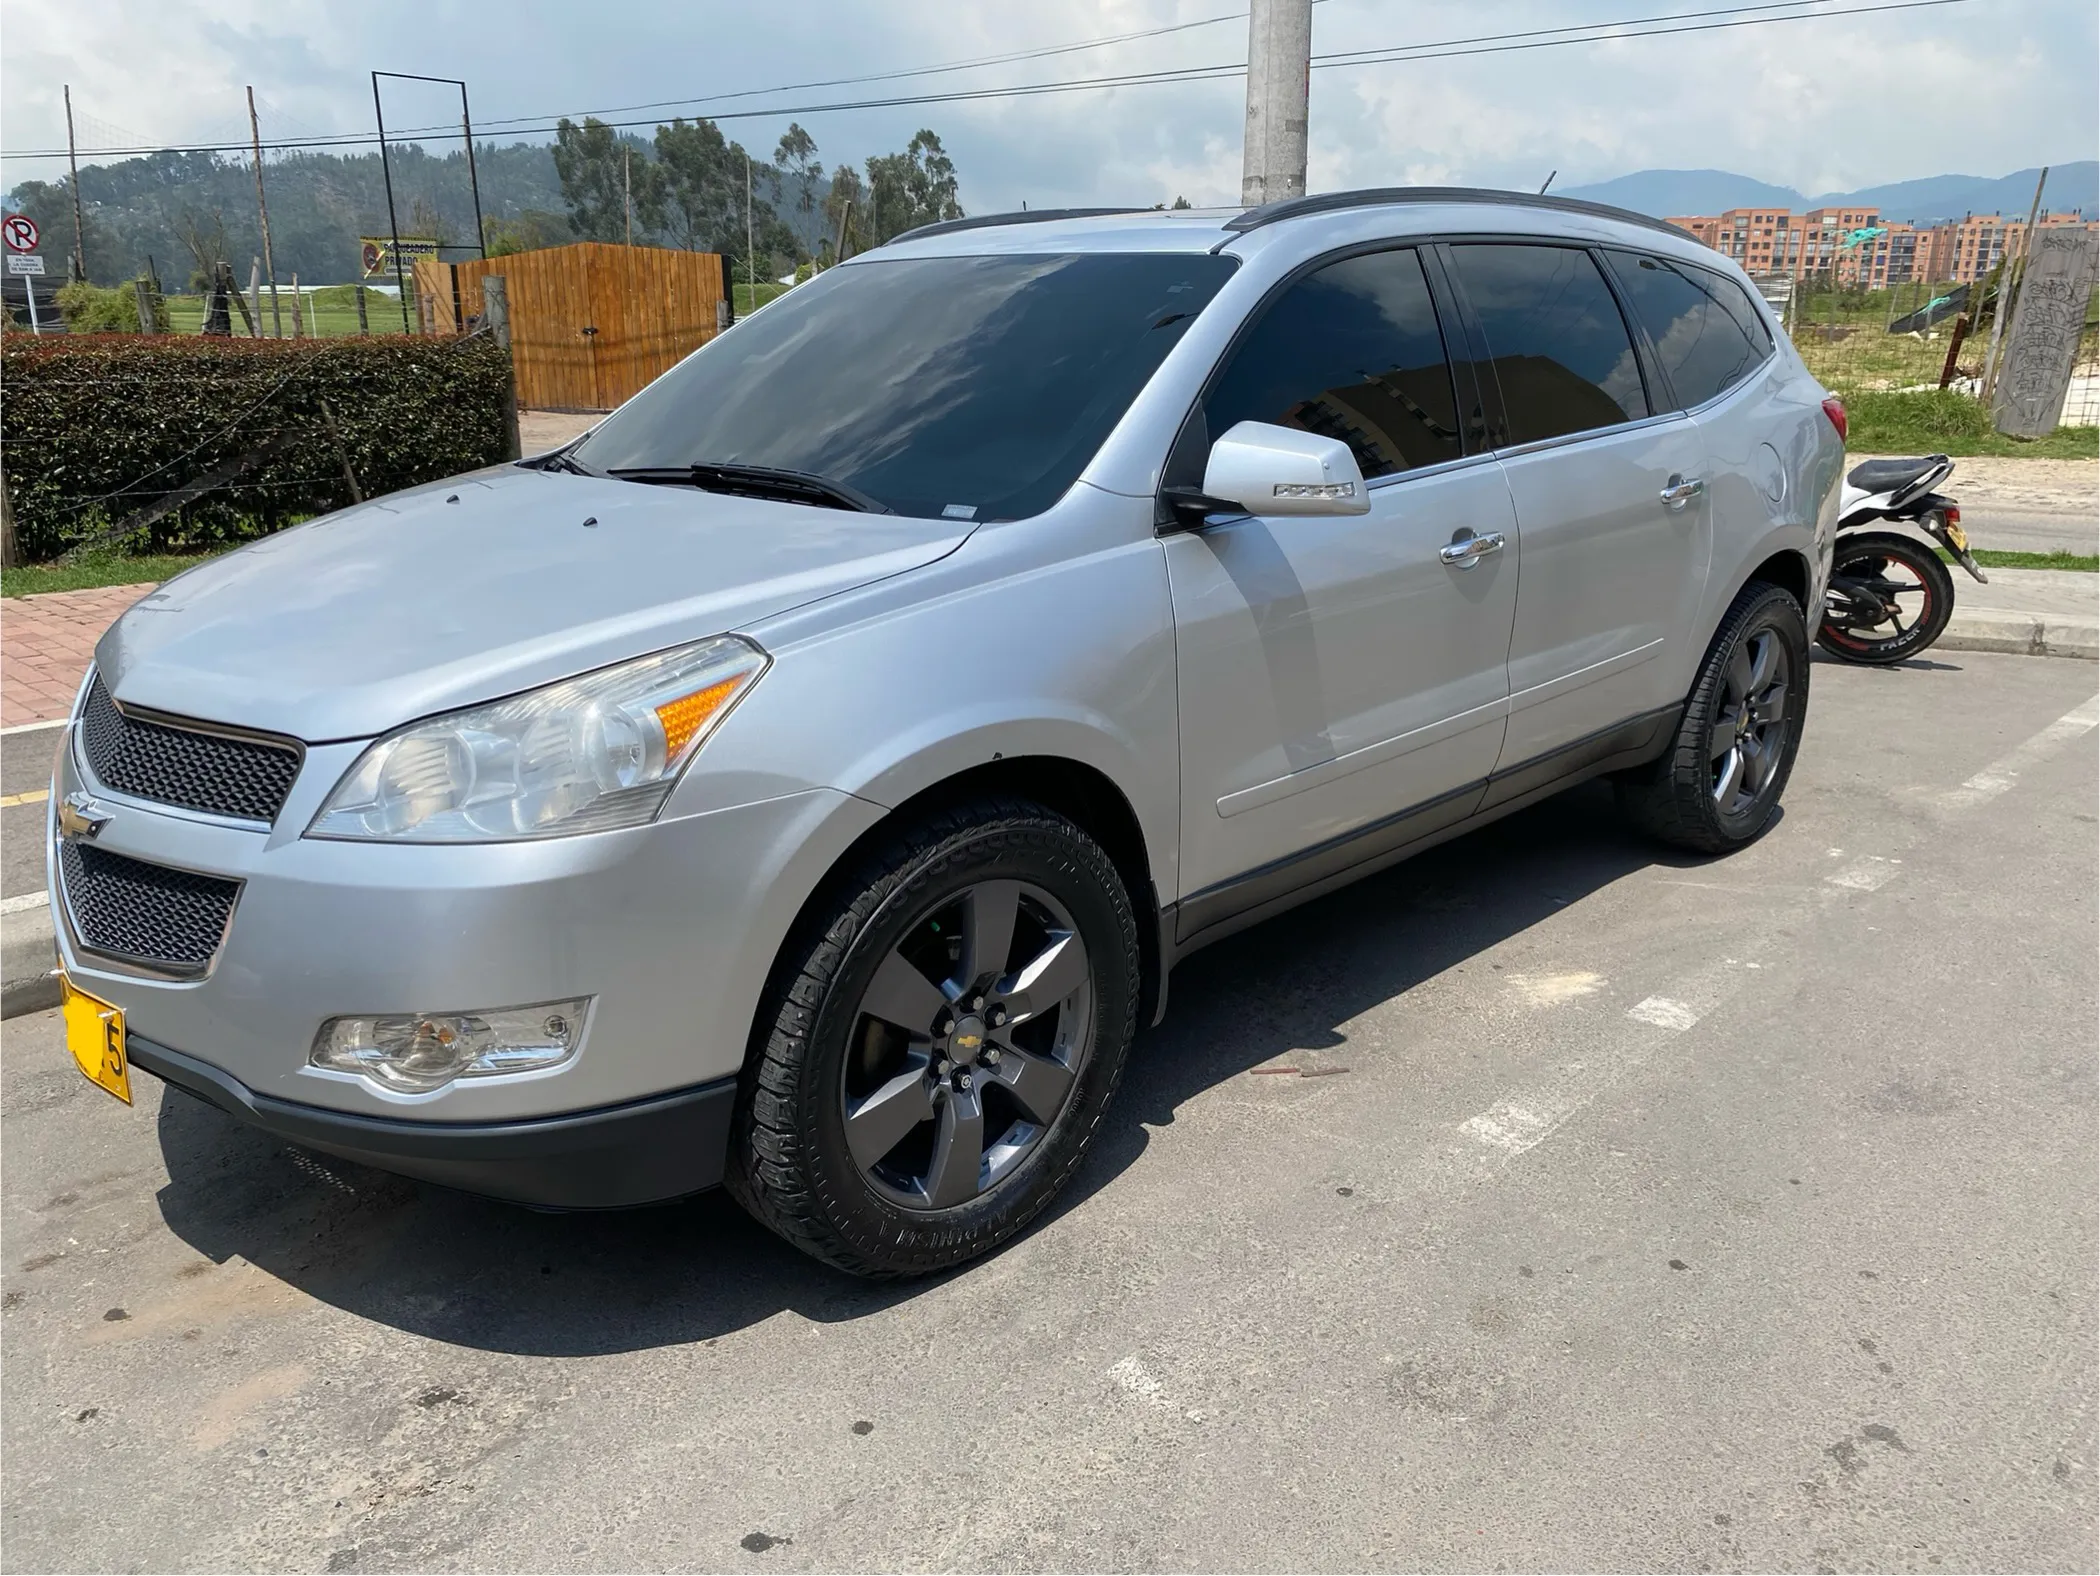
1980	87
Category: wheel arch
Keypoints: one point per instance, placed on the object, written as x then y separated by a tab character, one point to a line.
1081	792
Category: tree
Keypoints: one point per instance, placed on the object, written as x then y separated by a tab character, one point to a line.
589	160
908	189
796	159
203	236
528	232
698	203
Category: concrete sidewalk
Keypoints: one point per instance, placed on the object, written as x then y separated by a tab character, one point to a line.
2031	612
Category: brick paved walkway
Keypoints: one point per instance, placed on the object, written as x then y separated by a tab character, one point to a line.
46	643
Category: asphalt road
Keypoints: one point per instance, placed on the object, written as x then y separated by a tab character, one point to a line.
1649	1213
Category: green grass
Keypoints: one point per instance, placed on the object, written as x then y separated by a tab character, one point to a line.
768	290
93	570
2083	563
1940	421
331	313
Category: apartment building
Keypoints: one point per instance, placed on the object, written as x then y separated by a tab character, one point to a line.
1968	249
1777	241
1773	242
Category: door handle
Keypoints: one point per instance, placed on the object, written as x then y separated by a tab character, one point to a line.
1465	550
1682	490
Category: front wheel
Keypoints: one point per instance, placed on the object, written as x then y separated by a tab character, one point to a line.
1890	597
1718	786
940	1043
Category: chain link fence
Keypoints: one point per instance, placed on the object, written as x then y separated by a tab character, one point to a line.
1918	336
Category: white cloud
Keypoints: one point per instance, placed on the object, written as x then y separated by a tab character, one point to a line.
1981	88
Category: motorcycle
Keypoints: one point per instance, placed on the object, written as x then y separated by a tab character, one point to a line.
1890	596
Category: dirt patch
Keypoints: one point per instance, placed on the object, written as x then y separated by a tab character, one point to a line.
1995	481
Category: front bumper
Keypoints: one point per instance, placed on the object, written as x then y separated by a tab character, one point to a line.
642	1152
670	929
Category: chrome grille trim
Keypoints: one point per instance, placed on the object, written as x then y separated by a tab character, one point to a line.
179	761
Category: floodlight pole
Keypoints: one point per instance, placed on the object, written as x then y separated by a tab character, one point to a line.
466	124
393	224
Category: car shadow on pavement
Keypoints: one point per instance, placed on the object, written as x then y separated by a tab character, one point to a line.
491	1276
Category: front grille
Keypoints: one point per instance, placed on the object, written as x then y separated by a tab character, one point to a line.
163	761
170	919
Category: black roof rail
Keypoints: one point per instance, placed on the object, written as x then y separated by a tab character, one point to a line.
1329	202
985	221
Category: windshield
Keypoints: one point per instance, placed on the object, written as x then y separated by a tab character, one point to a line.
970	388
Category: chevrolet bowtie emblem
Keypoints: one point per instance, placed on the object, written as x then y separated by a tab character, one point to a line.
80	818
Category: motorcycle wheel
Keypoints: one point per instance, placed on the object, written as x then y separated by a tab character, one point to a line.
1869	567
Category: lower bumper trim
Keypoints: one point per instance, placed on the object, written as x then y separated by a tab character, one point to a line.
615	1157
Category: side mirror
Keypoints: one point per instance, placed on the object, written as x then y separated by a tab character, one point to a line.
1267	469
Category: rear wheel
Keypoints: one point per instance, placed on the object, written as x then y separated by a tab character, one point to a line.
1890	597
941	1044
1718	786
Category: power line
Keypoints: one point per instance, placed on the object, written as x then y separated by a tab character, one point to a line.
1599	32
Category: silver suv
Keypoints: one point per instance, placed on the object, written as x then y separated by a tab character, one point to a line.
807	779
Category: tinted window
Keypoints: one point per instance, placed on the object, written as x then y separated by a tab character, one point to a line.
1555	341
1702	340
1350	352
975	387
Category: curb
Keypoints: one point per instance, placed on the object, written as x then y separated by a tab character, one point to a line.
2022	634
28	963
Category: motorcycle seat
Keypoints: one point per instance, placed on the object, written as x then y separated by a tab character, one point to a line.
1887	476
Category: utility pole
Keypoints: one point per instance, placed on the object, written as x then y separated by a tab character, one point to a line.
263	211
1279	68
627	188
750	251
73	164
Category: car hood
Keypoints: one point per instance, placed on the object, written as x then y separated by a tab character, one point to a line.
479	587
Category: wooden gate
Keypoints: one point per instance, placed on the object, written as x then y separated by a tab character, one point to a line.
591	323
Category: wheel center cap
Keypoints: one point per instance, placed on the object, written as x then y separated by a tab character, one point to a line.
968	1038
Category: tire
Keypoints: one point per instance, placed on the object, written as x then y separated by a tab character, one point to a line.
1680	798
1868	555
830	1147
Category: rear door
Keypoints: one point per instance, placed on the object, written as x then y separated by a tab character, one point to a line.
1339	679
1714	355
1610	496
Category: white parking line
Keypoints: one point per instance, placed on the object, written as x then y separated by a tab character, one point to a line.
2000	775
1514	1126
24	903
1870	874
1664	1013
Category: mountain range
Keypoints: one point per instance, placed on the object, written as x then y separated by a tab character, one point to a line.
1666	193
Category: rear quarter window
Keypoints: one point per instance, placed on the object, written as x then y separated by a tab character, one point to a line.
1708	335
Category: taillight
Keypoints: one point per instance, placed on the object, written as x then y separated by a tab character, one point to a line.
1834	408
1951	514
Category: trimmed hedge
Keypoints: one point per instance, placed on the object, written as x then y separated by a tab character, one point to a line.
94	429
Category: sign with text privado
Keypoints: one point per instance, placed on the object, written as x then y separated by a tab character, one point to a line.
375	253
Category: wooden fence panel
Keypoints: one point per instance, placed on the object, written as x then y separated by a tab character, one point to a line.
592	323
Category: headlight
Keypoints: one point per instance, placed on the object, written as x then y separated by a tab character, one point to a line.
584	755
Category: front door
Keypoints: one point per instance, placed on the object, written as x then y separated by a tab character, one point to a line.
1611	499
1343	683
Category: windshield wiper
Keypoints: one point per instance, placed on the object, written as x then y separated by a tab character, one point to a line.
562	460
756	481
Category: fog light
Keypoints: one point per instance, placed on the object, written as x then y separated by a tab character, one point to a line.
417	1052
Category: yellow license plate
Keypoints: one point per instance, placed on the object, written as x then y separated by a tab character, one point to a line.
95	1036
1958	537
